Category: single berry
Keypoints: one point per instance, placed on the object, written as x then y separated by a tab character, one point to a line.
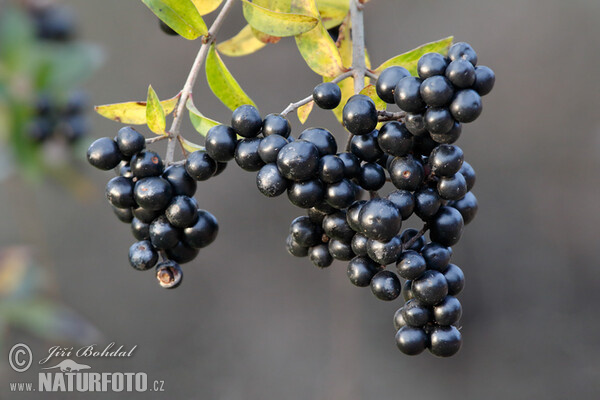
341	194
340	250
331	169
276	124
351	164
430	288
445	341
140	230
366	147
182	253
246	154
427	203
246	121
146	163
398	319
394	139
404	201
163	235
182	212
130	141
447	226
407	292
385	285
142	256
416	314
461	73
384	253
431	64
294	248
467	206
298	160
305	232
220	143
462	50
360	115
269	147
438	121
452	188
406	173
446	160
181	182
410	233
306	194
336	227
104	154
270	182
411	265
455	278
321	138
145	215
119	192
203	232
387	81
484	80
317	216
379	219
359	244
319	256
466	106
448	312
411	341
352	214
327	95
361	271
153	193
407	95
415	124
124	214
436	256
469	173
371	177
169	274
449	137
437	91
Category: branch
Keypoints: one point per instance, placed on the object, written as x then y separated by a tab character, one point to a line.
358	45
390	116
156	139
207	41
306	100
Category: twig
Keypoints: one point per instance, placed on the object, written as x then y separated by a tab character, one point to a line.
298	104
207	41
358	45
156	139
371	74
390	116
412	240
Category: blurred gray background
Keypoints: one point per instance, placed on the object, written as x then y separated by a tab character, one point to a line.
252	322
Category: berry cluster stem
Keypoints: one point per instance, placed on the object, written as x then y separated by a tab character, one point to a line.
207	41
359	65
412	241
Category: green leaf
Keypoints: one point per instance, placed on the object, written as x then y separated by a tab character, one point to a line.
222	83
155	114
181	15
133	112
333	12
316	46
201	123
276	23
304	111
370	91
242	44
206	6
410	59
190	146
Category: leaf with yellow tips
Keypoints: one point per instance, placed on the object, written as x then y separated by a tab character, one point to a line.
410	59
133	112
242	44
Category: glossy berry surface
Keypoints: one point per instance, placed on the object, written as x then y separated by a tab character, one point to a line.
415	124
203	232
467	207
336	226
452	188
416	313
437	91
181	182
462	50
431	64
163	235
146	163
352	215
351	164
404	201
246	121
484	80
371	176
220	143
384	253
366	147
455	278
469	174
321	138
319	256
130	141
140	230
447	226
104	154
461	73
387	81
406	173
305	232
153	193
270	182
407	95
360	116
294	248
269	147
411	265
436	256
246	154
407	235
446	160
331	169
379	219
395	139
411	341
340	250
181	253
427	203
466	106
445	341
341	194
438	121
385	285
182	212
306	194
276	124
359	244
142	255
327	95
298	160
447	312
119	192
430	288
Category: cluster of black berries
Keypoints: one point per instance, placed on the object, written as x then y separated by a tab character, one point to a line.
431	181
53	120
53	22
158	202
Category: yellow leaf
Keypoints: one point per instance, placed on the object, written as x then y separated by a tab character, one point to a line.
190	146
180	15
410	59
276	23
155	115
201	123
316	46
333	12
264	37
304	111
370	91
206	6
222	83
242	44
133	112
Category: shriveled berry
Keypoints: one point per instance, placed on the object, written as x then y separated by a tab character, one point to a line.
169	274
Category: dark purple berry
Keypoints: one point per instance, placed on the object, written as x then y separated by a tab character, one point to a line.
411	341
203	232
484	80
146	163
466	106
387	81
327	95
445	341
406	173
140	230
461	73
104	154
306	194
319	255
411	265
298	160
181	182
181	253
153	193
361	271
360	115
404	201
276	124
321	138
182	212
220	143
269	147
142	256
430	288
467	206
163	235
394	139
270	182
407	95
384	253
130	141
462	50
431	64
379	219
119	192
386	286
246	121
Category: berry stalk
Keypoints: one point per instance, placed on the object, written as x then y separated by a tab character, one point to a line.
191	79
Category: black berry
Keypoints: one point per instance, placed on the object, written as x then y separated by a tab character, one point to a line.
220	143
298	160
275	124
360	115
182	212
142	256
387	81
407	95
246	154
270	182
466	106
385	285
104	154
321	138
146	163
246	121
203	232
379	219
411	265
327	95
153	193
130	141
431	64
447	226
